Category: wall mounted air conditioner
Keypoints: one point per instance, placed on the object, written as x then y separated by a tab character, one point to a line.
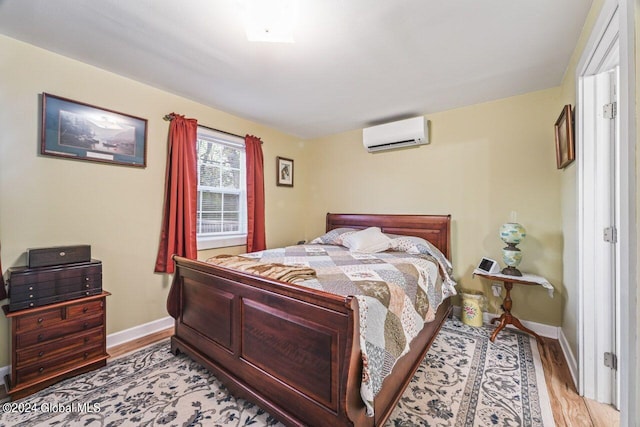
403	133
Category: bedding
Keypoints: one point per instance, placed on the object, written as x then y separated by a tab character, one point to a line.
275	271
409	244
397	290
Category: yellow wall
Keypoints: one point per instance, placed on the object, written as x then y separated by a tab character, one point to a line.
46	201
484	161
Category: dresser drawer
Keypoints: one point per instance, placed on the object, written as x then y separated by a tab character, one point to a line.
39	302
53	317
57	365
23	277
62	346
42	319
89	308
55	287
64	328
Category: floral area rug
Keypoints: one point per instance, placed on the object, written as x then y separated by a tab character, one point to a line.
465	380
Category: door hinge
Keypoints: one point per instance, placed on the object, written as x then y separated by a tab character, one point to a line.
609	111
610	234
611	361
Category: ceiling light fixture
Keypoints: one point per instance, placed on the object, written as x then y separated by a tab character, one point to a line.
269	20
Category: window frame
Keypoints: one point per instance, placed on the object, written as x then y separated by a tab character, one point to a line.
222	239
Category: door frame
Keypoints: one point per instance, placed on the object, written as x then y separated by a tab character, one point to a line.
599	194
615	24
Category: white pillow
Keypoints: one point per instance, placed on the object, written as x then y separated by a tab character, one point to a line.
369	240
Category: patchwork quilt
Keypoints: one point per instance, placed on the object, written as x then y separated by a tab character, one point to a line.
397	293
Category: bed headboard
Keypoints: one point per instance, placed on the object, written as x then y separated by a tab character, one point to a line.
434	228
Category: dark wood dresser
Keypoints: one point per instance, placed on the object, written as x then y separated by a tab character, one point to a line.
56	341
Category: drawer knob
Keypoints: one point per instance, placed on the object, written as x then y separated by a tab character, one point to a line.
86	354
30	295
31	304
41	369
40	337
63	253
30	288
40	319
40	354
87	286
85	309
86	339
87	279
86	325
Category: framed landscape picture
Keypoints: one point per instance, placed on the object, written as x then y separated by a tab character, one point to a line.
284	168
81	131
565	145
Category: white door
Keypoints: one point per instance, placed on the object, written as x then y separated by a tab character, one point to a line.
606	220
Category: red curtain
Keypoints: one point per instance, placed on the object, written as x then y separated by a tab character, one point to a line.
256	239
178	234
3	292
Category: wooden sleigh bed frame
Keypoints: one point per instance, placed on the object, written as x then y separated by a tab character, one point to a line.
294	351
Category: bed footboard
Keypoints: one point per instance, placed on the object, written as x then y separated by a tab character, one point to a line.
283	347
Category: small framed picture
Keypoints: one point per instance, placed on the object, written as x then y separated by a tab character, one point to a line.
284	168
81	131
565	146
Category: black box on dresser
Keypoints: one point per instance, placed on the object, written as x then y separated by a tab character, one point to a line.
34	287
58	255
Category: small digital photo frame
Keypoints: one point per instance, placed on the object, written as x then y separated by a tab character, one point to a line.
489	266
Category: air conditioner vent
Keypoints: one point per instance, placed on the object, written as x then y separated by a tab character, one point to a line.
399	134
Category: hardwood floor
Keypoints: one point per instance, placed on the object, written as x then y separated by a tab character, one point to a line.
569	409
128	347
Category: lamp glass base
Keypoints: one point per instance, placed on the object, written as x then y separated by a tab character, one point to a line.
511	271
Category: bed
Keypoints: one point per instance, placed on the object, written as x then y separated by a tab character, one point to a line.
295	351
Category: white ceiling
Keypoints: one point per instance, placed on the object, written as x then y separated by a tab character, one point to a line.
354	62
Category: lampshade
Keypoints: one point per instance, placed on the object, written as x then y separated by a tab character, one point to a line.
512	234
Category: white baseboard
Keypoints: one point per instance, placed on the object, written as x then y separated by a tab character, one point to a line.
139	331
121	337
569	357
539	328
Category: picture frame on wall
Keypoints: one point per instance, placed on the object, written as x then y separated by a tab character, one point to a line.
80	131
565	144
284	170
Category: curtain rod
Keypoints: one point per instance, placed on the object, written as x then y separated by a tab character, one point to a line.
169	117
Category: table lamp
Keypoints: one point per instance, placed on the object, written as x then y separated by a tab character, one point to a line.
512	233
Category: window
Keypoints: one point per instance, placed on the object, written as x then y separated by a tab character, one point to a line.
222	197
